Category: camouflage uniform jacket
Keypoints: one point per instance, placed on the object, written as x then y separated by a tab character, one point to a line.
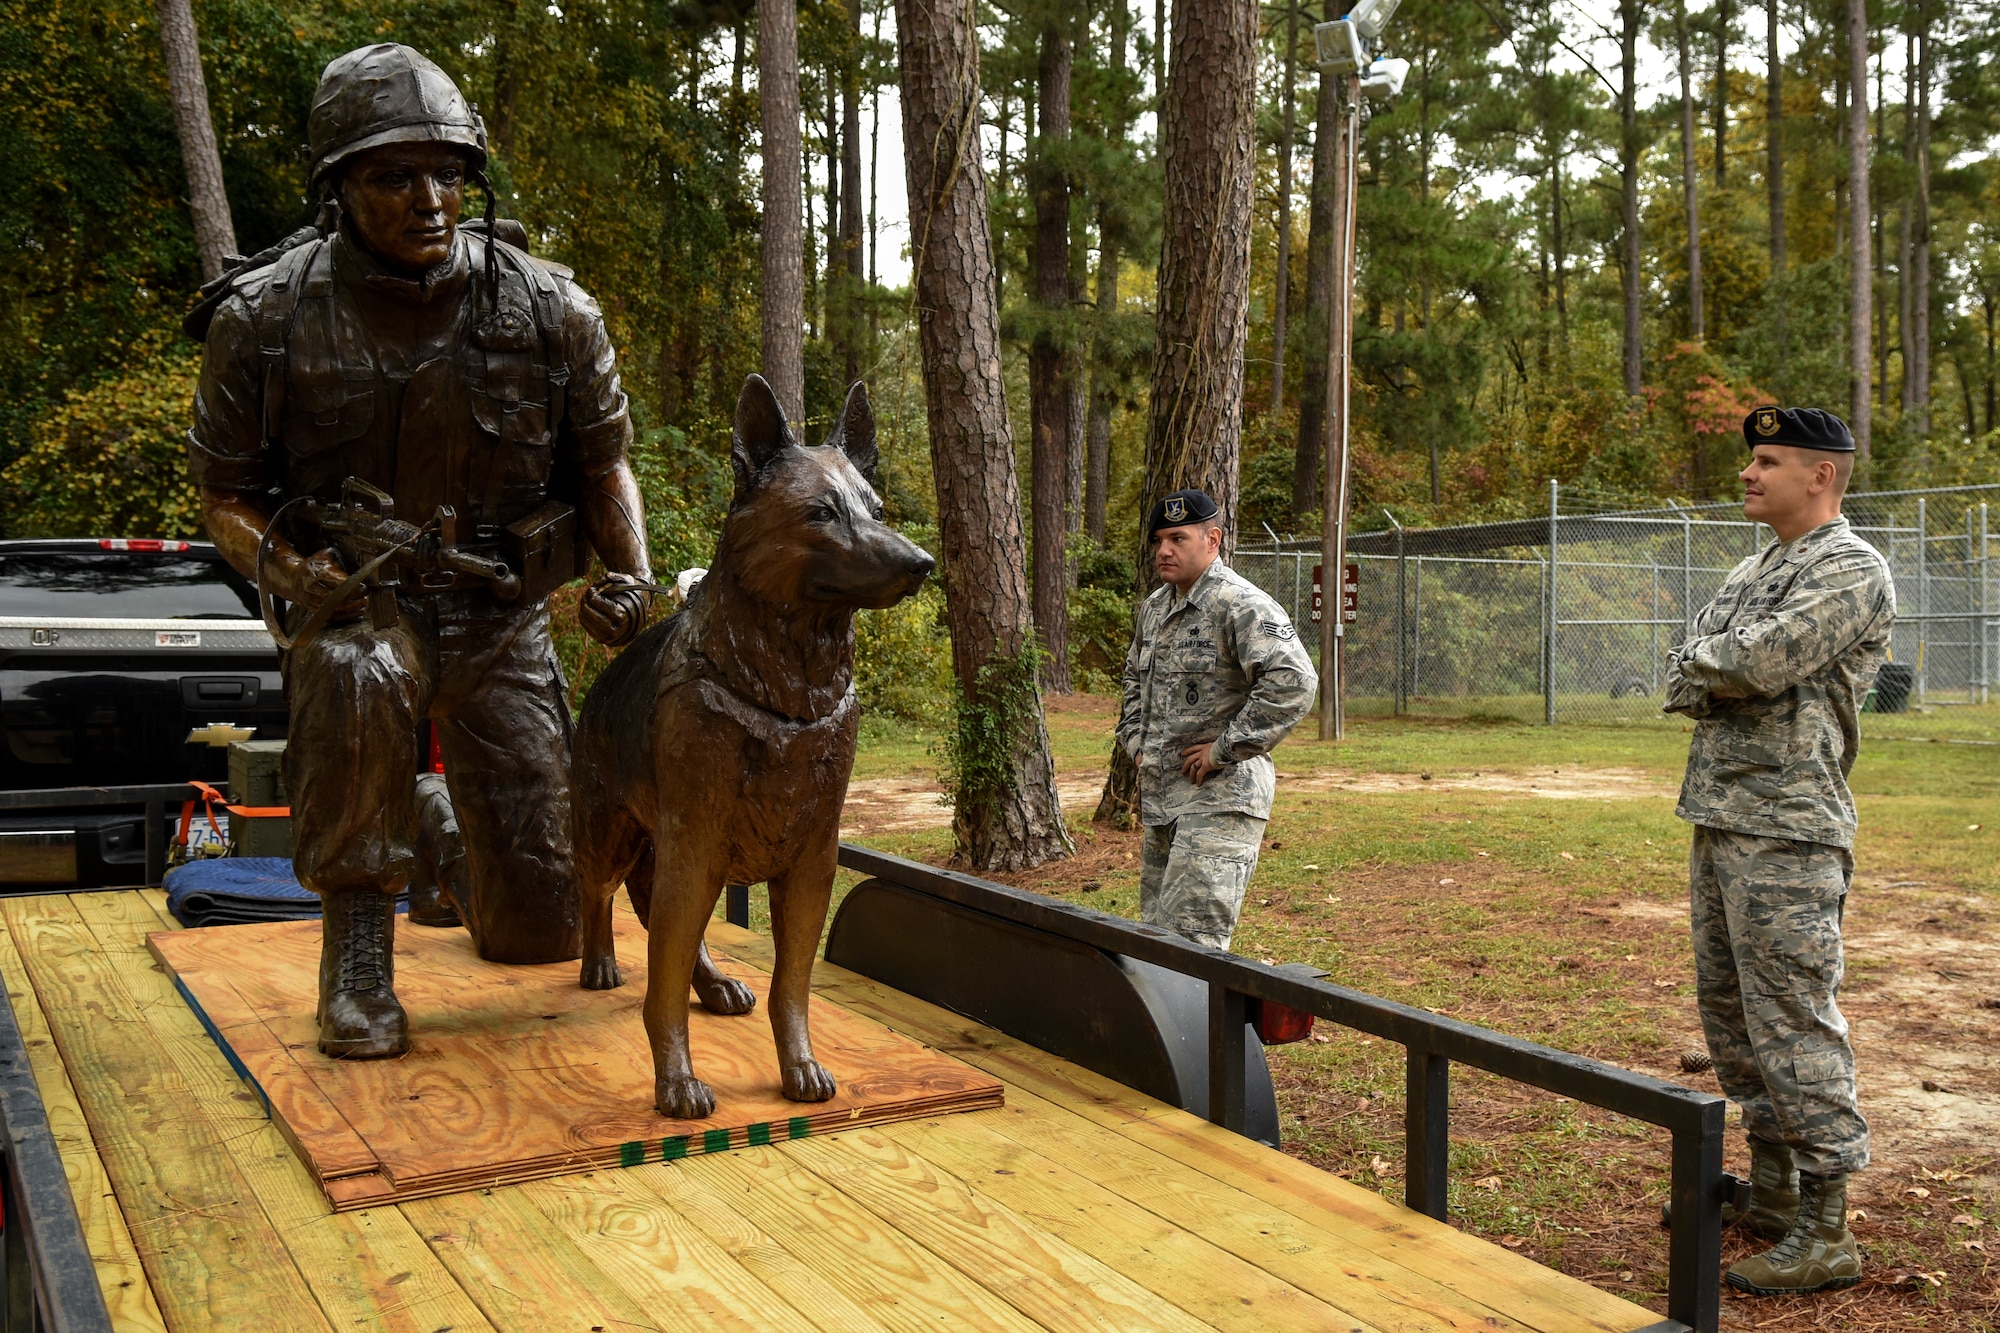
1221	664
1774	677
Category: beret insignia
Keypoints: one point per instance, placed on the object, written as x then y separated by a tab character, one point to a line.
1767	421
1177	509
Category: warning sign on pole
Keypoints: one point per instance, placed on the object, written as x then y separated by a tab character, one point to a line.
1350	593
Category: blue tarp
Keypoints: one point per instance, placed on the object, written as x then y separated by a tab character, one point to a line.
232	890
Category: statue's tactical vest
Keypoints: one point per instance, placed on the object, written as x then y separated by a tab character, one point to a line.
473	428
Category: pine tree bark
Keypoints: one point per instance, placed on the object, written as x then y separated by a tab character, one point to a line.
1049	378
1105	385
1311	443
1860	296
1905	237
783	238
1723	18
1630	147
208	200
1195	418
1689	176
972	451
1281	299
1774	139
850	328
1920	261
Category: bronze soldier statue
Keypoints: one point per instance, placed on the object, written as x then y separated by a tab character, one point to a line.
409	431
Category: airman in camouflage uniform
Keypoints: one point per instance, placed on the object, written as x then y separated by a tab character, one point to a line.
1215	679
1774	676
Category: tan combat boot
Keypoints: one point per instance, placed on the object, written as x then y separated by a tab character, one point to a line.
1818	1254
1774	1194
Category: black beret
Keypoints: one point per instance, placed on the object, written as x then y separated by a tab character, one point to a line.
1800	427
1180	508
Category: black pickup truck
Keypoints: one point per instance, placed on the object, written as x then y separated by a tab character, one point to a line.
121	663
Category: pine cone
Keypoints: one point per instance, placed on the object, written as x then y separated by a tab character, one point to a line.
1696	1062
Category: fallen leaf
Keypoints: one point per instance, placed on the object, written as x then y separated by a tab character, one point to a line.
1567	856
1447	882
1380	1168
1268	962
1917	1192
1631	957
1263	902
1309	867
1512	1242
1966	1220
1625	1277
1330	898
1972	828
1978	1246
1361	1105
1857	1214
1665	985
1919	1279
1489	1183
1482	853
1321	1038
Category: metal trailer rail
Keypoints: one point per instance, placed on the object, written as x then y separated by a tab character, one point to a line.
155	797
1433	1042
48	1283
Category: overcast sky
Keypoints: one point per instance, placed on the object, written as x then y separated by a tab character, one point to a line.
1593	23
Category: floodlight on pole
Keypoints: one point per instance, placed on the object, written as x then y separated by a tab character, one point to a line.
1384	78
1340	47
1371	16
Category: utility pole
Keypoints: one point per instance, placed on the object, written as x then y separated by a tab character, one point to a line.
1346	50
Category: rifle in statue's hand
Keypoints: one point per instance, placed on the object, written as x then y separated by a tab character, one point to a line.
385	554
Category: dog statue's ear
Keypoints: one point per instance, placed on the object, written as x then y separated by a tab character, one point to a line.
854	433
760	432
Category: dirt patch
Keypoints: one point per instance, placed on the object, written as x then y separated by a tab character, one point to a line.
1556	784
910	804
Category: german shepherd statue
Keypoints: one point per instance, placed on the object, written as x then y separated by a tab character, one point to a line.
716	749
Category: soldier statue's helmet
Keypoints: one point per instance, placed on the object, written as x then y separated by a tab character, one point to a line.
387	93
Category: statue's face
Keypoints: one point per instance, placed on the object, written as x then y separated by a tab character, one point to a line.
404	200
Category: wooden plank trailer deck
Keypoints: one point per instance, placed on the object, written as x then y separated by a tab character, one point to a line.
146	1187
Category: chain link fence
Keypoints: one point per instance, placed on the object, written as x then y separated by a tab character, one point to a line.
1569	616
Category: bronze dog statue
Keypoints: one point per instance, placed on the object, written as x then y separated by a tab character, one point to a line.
716	749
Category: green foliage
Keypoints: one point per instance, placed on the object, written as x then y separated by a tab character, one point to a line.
1100	628
902	659
977	756
111	460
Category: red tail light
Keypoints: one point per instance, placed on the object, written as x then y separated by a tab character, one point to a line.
139	544
1278	1024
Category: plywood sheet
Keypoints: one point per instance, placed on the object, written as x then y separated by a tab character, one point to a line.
517	1073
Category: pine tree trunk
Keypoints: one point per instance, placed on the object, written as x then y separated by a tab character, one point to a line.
783	239
972	450
1630	146
851	327
1774	138
1195	418
1689	177
1105	384
208	201
1860	299
1905	238
1311	442
1723	18
1920	262
1048	358
1281	298
1103	396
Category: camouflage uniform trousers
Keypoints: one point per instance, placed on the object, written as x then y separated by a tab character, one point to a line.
1766	916
1192	874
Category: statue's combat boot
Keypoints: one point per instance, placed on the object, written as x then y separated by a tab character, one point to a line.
359	1015
1817	1254
1774	1194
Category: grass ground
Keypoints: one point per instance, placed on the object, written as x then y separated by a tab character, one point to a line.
1533	880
